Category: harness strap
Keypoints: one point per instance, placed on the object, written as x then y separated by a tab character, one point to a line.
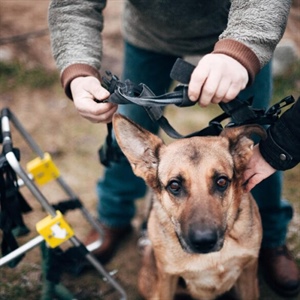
107	153
65	205
127	92
12	205
56	261
130	93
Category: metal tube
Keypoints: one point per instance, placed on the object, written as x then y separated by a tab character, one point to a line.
22	249
5	124
97	265
94	223
33	145
108	277
84	211
12	160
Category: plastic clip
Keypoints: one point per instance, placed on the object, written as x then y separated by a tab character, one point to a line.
55	230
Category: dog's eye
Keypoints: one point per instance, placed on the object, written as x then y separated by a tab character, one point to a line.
222	183
174	187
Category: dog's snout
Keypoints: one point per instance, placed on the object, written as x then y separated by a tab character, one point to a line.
203	240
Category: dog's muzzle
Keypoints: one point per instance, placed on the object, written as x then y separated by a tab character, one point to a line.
201	240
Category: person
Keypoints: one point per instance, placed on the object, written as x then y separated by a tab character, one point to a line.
279	151
236	39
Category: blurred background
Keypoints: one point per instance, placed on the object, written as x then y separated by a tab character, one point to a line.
30	88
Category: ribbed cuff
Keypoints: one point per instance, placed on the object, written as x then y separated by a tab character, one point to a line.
240	52
74	71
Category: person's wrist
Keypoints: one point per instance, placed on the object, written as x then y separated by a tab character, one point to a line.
241	53
75	71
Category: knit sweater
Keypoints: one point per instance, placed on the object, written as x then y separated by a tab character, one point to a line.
248	31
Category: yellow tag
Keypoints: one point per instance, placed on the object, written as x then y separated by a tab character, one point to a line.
55	230
43	169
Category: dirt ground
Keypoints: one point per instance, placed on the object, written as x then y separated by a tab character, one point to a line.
73	143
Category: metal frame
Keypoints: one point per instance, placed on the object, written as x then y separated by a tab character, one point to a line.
6	117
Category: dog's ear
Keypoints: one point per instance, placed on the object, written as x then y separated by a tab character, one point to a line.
140	146
241	144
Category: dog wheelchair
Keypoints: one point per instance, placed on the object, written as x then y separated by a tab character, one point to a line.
53	230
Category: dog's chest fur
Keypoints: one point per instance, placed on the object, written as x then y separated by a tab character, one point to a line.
209	275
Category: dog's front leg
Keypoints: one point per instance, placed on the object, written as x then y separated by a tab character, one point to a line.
246	286
166	286
153	283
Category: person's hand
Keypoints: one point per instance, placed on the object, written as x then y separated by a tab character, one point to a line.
217	78
257	170
85	90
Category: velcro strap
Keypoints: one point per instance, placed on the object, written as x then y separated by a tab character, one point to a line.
182	71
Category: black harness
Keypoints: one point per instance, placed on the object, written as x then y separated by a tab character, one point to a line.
12	206
240	112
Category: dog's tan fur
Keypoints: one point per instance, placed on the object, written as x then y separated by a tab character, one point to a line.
198	191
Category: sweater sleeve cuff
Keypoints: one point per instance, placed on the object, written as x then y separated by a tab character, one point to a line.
240	52
74	71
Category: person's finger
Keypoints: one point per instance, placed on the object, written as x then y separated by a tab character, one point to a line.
196	83
209	89
105	116
217	78
99	92
86	91
221	91
252	182
97	112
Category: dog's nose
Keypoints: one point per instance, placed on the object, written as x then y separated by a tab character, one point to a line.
203	241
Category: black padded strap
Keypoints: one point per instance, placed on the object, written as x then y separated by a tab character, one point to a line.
182	71
12	205
128	92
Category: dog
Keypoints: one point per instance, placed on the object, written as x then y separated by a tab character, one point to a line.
203	227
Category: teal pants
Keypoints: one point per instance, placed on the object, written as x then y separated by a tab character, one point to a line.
119	187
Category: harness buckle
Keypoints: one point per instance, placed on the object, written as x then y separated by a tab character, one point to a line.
275	109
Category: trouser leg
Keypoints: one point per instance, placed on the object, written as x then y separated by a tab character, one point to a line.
119	187
276	212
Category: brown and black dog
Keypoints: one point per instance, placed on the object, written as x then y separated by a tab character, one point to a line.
203	227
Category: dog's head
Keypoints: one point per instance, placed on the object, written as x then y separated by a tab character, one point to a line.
197	181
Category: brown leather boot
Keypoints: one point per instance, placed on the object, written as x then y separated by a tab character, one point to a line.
111	240
280	270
